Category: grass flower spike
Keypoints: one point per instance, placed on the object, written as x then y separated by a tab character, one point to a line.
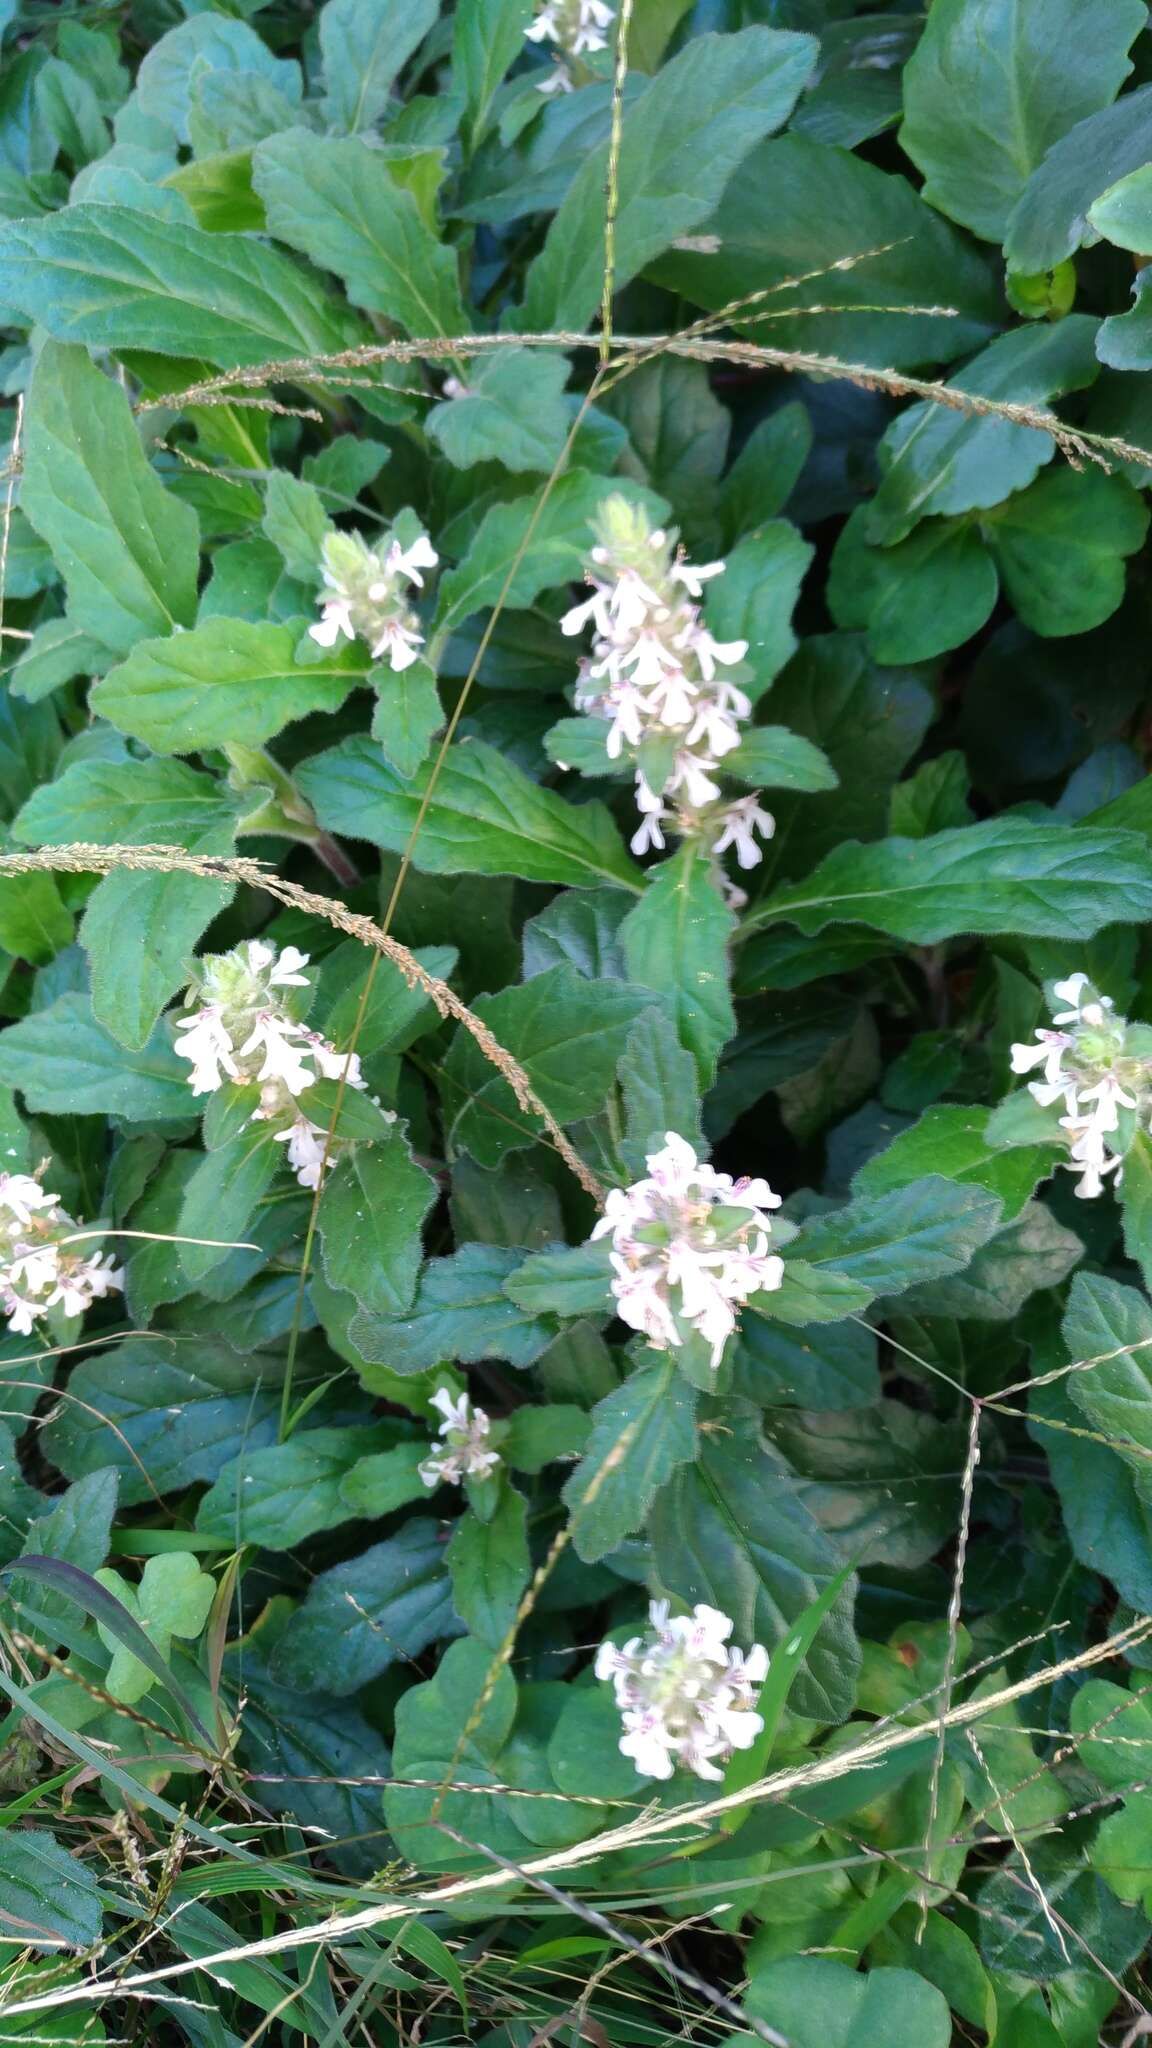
689	1246
685	1696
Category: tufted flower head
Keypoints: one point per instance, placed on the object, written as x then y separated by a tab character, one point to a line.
685	1695
465	1452
366	594
689	1246
1092	1069
46	1261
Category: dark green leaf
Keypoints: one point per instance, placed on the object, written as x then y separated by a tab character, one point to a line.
640	1434
359	1617
62	1060
371	1215
228	680
461	1312
676	943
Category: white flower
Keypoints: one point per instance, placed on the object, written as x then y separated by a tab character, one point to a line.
677	1264
334	623
408	562
1090	1071
739	823
465	1452
40	1267
400	643
22	1196
208	1044
282	1061
685	1695
285	968
305	1142
335	1066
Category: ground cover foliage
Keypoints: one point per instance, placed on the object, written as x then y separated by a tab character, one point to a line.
577	1027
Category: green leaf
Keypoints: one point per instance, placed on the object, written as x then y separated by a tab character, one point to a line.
1136	1203
640	1434
34	923
461	1312
658	1084
1030	1253
818	2003
1009	65
834	1366
394	1014
166	1415
734	1526
63	1060
1050	219
226	681
796	210
678	435
139	930
1060	547
47	1892
921	1231
951	1139
364	44
372	1211
487	36
280	1495
755	597
340	203
566	1032
512	410
1107	1519
174	1598
1113	1326
930	592
539	1436
204	45
385	1480
490	1566
766	471
533	544
683	139
676	943
936	459
296	522
408	712
359	1617
126	548
1004	875
486	816
574	1281
112	277
222	1197
883	1481
1123	213
771	757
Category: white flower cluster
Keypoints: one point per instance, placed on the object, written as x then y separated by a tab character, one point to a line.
242	1030
685	1696
577	28
689	1245
655	673
465	1452
1092	1068
366	598
41	1265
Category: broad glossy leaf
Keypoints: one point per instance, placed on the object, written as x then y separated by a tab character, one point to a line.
532	544
922	1231
490	1565
223	1195
640	1434
882	1481
798	208
936	459
1112	1325
951	1139
755	597
989	89
371	1214
1061	544
64	1061
1007	874
47	1892
676	943
1050	219
487	35
512	410
771	757
340	204
684	138
280	1495
461	1312
228	680
486	816
203	45
734	1526
1029	1254
831	1366
930	592
126	548
359	1617
165	1414
112	277
826	2004
658	1086
566	1032
364	43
